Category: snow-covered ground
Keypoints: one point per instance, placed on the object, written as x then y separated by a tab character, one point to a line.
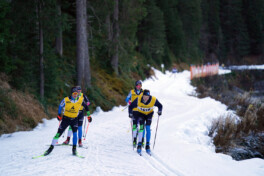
182	145
247	67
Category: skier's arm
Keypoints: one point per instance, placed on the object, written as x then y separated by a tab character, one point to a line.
61	106
128	97
132	106
85	106
159	105
86	100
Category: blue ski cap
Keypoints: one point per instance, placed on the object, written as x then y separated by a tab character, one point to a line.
138	82
78	87
146	92
74	89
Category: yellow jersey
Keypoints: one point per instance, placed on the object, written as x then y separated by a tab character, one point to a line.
134	95
146	108
72	109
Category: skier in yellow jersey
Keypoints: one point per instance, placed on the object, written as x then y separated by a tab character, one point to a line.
80	119
71	105
133	94
145	104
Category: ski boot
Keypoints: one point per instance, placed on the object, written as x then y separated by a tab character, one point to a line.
139	148
67	141
74	152
135	142
148	148
80	143
49	150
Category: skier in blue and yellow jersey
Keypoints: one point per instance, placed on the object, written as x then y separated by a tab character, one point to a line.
72	106
80	118
145	104
133	94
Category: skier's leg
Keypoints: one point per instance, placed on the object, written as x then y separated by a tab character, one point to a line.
140	133
148	131
64	124
74	126
69	132
143	137
148	135
141	129
135	122
135	129
80	123
67	141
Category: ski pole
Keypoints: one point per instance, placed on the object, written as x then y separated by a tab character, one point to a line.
156	132
84	125
86	130
131	124
125	108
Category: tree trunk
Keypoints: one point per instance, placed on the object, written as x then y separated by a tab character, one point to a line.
59	44
114	61
41	49
83	60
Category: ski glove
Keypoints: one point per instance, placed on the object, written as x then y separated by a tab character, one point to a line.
159	113
130	115
89	119
88	113
59	118
129	102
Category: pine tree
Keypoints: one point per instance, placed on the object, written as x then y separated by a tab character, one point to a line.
174	29
191	17
151	33
210	30
6	64
235	34
254	17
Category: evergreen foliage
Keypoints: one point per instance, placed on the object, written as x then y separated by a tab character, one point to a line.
150	32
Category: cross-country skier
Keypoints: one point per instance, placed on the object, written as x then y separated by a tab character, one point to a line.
174	71
144	104
72	106
133	94
80	119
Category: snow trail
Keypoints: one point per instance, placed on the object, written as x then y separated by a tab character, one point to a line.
182	146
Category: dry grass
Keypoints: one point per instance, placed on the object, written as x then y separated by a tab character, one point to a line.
226	132
4	81
223	130
19	111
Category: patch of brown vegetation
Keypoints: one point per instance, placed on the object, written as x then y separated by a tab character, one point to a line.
226	132
4	81
20	111
253	60
112	87
241	137
181	66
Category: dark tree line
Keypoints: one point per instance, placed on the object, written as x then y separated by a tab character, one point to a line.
46	46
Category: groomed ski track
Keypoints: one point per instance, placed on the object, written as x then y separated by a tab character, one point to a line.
182	145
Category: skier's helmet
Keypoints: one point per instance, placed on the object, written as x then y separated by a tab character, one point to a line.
78	87
146	92
74	90
138	82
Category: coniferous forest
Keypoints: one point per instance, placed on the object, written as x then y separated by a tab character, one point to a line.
47	46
